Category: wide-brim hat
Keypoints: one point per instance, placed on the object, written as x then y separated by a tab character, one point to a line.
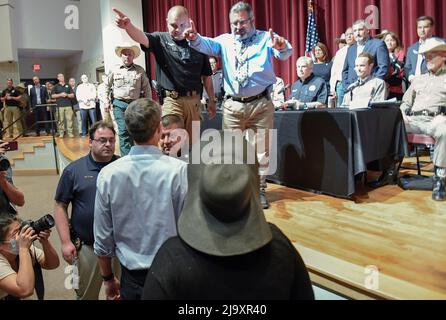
136	50
432	44
222	214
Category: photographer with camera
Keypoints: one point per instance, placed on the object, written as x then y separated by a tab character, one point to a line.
77	186
9	194
19	272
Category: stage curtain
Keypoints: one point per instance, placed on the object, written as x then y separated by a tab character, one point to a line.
288	18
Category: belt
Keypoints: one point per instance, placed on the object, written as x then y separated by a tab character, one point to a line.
248	99
426	113
125	100
177	94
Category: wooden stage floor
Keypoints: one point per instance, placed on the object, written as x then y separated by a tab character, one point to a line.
386	243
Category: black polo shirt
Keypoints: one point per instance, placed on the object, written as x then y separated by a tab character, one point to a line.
313	89
63	102
13	93
178	66
77	186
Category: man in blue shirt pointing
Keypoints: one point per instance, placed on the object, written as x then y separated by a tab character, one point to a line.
248	74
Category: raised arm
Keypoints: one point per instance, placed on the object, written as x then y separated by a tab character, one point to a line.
123	21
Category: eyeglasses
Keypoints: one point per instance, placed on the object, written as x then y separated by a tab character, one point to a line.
105	140
241	22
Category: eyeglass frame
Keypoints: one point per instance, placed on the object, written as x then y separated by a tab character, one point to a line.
106	140
241	22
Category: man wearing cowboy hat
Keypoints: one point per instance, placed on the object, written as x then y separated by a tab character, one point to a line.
225	249
126	83
424	106
181	70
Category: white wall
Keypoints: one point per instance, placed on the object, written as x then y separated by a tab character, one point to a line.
49	67
8	50
113	36
90	27
40	24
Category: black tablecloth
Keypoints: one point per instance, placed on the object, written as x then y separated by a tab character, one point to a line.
323	150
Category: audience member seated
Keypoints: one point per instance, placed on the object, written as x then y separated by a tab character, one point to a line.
416	64
364	43
322	66
309	91
336	87
424	106
367	88
19	258
225	249
396	69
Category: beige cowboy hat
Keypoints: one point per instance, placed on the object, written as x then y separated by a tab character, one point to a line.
222	214
432	44
136	50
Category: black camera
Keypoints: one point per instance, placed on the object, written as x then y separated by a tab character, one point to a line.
4	164
42	224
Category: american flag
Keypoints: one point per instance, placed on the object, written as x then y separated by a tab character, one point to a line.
312	34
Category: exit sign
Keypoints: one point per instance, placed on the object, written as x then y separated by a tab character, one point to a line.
36	67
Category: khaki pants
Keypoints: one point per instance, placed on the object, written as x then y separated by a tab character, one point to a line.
11	115
90	280
255	115
435	127
62	113
187	108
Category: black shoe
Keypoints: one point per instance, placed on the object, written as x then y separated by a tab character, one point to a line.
439	192
387	177
264	200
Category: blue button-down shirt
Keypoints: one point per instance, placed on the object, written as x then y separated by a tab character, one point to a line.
138	201
260	58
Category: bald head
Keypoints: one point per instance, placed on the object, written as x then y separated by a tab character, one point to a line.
176	12
177	22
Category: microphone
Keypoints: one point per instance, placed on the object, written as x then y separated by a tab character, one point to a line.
285	88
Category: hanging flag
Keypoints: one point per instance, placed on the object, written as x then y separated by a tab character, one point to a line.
312	34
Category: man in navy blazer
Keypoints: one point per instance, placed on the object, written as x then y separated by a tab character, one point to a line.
415	63
365	43
38	95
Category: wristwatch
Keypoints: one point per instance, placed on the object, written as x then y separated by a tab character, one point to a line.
108	278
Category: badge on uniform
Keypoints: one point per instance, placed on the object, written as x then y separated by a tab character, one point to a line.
312	88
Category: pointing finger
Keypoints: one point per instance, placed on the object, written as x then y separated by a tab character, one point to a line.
271	33
192	25
119	13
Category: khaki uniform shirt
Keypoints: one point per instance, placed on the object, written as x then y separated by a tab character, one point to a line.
427	92
128	83
360	93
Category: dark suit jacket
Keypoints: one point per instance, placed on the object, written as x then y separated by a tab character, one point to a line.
378	50
33	95
411	61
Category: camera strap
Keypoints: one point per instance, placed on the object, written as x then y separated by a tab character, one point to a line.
38	283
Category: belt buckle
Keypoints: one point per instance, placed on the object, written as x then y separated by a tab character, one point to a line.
425	113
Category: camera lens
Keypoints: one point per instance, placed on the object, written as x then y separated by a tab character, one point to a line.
44	223
4	164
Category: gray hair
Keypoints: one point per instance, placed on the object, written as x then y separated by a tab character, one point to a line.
242	6
307	60
142	119
361	22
